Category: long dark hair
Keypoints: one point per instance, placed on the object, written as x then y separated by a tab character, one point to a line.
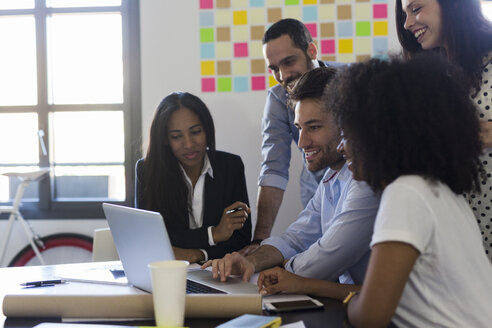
165	189
408	117
467	35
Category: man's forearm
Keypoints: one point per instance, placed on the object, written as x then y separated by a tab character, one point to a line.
265	257
267	206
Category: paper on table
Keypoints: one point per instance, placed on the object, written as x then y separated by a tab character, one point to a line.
298	324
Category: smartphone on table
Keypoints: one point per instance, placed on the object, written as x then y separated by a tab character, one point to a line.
298	305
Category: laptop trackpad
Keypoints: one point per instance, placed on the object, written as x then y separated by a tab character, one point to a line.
233	285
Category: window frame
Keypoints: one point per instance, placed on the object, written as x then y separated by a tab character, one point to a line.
48	207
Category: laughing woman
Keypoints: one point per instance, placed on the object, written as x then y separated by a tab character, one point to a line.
458	30
200	192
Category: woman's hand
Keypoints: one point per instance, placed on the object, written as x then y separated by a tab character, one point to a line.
230	221
276	280
191	255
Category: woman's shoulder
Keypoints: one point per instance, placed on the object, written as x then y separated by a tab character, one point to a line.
223	158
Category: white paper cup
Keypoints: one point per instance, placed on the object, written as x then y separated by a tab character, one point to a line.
169	291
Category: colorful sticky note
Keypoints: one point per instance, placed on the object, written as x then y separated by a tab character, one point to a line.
309	14
291	2
363	46
313	29
309	2
207	50
256	3
381	28
292	12
223	17
240	17
224	84
363	28
206	4
223	50
206	35
380	11
345	29
256	49
257	16
271	81
380	45
241	49
241	84
326	12
258	83
208	84
362	11
239	3
240	67
240	33
345	46
207	67
206	18
327	46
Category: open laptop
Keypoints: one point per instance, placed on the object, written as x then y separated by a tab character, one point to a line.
141	238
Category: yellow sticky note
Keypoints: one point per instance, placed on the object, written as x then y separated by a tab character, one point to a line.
381	28
326	12
345	46
363	46
310	2
208	67
223	50
240	67
271	81
240	17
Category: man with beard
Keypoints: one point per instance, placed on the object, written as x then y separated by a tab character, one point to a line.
330	238
289	52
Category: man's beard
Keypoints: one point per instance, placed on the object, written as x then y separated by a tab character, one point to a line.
289	83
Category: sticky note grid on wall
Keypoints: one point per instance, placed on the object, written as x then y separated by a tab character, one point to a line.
231	58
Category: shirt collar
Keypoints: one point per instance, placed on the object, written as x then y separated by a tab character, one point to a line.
332	175
207	168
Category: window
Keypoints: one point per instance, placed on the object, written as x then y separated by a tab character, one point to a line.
70	101
487	9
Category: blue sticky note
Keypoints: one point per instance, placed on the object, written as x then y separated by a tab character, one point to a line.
309	14
380	46
256	3
345	29
206	18
207	50
240	84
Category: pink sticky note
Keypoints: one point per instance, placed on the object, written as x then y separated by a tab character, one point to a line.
208	84
313	29
380	11
258	83
206	4
241	49
327	46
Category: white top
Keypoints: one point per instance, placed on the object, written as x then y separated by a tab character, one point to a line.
195	200
451	282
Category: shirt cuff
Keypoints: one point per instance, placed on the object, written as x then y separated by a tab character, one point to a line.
210	237
272	180
205	255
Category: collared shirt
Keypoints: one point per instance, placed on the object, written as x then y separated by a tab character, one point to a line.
330	238
195	200
278	132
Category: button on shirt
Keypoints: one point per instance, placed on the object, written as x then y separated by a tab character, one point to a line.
195	200
330	238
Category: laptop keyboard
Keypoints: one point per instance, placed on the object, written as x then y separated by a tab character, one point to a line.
193	287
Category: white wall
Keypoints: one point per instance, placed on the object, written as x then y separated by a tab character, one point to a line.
171	61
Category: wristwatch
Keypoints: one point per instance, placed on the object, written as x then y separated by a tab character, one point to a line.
349	297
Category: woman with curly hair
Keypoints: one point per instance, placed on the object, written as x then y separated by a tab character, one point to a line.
410	130
200	192
458	31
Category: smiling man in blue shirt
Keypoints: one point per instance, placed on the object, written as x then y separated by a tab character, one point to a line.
330	238
289	52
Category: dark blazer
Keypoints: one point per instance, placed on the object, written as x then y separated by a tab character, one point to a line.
227	186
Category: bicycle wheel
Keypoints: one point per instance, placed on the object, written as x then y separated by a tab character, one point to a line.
58	249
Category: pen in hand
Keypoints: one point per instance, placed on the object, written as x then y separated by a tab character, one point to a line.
234	210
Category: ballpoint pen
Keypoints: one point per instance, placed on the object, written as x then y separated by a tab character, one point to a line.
43	283
234	210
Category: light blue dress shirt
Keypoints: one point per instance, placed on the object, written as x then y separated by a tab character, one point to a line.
330	238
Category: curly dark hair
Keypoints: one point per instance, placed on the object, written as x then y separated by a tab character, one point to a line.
296	30
466	32
408	117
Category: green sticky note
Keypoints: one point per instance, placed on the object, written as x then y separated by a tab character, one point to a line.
363	28
291	2
224	84
206	35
